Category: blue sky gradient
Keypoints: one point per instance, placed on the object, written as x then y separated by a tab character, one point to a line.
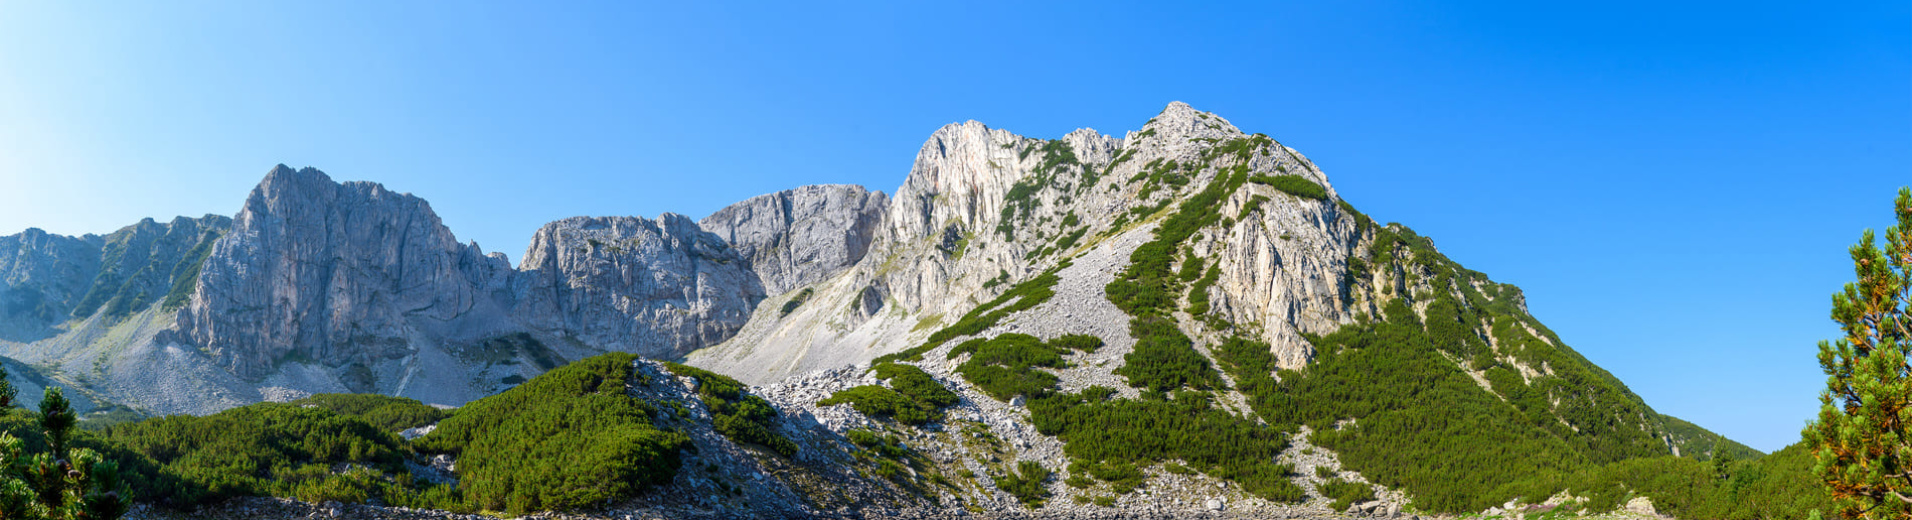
1674	186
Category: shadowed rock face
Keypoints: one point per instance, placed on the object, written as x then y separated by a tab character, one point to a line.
334	273
802	236
42	276
658	288
47	280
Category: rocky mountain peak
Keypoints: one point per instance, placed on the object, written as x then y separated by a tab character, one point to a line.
1179	123
656	287
959	176
801	236
309	270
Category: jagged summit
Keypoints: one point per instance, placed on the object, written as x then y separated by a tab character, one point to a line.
801	236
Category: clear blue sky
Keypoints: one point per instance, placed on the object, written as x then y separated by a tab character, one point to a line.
1675	186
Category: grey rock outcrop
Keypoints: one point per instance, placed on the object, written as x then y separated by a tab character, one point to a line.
341	274
658	288
42	276
801	236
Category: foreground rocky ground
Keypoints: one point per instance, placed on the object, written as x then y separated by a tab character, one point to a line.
274	508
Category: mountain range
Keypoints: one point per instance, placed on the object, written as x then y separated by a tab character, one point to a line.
1095	305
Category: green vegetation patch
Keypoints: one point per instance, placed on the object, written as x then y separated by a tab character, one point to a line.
1123	477
1117	434
1293	185
916	398
1149	283
389	413
270	449
877	401
1165	359
1028	483
1699	443
1023	296
569	438
186	274
1198	292
796	301
1780	485
736	413
1345	493
1020	201
1082	342
1005	366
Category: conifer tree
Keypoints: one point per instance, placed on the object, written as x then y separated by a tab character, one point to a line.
7	391
1860	440
61	484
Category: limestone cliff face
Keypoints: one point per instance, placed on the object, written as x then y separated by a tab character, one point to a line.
983	209
42	276
659	288
335	273
802	236
1282	268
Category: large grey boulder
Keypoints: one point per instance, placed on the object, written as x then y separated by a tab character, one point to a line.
799	237
658	288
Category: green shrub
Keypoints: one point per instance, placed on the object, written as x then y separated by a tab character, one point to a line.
1069	240
1165	359
1005	366
266	449
1198	292
879	402
916	399
885	446
1027	483
795	301
1293	185
1123	477
61	482
1345	493
386	412
917	384
569	438
1253	204
1082	342
1149	285
1121	434
736	413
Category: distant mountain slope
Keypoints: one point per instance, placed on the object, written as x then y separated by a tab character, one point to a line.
319	286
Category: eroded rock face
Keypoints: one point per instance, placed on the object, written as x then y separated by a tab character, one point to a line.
658	288
339	274
802	236
42	276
